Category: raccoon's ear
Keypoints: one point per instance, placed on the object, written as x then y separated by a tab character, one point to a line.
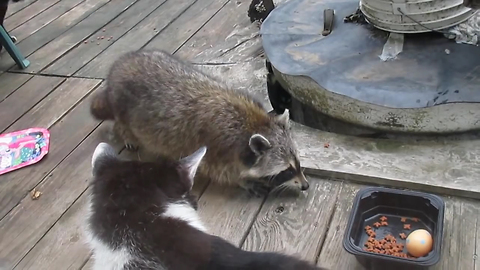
259	144
102	152
284	118
192	162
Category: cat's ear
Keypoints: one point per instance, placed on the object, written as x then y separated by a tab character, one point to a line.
102	152
284	118
192	162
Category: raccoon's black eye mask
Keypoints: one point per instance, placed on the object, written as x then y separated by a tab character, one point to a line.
282	177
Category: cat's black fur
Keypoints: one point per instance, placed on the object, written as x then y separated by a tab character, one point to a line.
128	199
3	9
3	12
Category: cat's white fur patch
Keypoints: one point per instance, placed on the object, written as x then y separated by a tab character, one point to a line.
104	258
186	213
100	150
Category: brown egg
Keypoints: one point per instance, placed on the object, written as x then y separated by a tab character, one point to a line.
419	243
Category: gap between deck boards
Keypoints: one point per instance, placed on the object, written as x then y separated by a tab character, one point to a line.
220	33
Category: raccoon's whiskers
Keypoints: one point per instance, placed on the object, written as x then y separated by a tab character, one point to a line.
270	180
279	189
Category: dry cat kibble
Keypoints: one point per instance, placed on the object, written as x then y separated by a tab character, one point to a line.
388	245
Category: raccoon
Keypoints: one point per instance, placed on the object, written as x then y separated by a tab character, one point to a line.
142	216
170	108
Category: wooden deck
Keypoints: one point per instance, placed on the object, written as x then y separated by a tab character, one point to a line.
71	44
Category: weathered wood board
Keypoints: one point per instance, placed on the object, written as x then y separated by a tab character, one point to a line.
135	38
66	134
56	105
228	212
88	265
60	25
225	32
174	36
27	223
18	103
63	247
446	167
69	63
333	256
11	82
17	6
76	35
38	22
295	225
217	36
27	13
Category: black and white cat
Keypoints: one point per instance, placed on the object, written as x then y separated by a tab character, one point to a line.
142	216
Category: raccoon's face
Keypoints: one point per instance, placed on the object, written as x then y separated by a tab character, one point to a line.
170	179
273	157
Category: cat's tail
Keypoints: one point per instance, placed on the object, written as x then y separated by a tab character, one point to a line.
100	107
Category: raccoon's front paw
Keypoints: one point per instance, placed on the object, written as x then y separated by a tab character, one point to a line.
256	188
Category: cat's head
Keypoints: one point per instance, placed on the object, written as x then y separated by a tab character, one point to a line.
173	178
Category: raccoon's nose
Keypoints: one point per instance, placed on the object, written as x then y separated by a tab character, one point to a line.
305	185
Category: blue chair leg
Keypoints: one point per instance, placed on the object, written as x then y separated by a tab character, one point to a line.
8	44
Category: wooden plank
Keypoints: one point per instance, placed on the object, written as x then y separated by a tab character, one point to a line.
477	240
247	76
27	13
185	26
135	38
85	52
88	265
43	19
63	247
229	27
76	35
295	225
333	255
221	33
14	106
228	212
460	233
11	82
57	104
53	30
442	166
65	136
28	222
14	7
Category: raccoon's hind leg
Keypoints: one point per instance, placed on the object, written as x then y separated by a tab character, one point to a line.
124	132
255	187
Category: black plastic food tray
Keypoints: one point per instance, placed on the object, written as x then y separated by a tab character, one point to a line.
372	203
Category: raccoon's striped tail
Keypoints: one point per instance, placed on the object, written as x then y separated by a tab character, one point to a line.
100	107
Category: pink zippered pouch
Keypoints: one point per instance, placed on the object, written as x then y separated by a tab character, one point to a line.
23	148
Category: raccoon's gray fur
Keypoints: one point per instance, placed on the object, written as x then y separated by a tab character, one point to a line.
170	108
